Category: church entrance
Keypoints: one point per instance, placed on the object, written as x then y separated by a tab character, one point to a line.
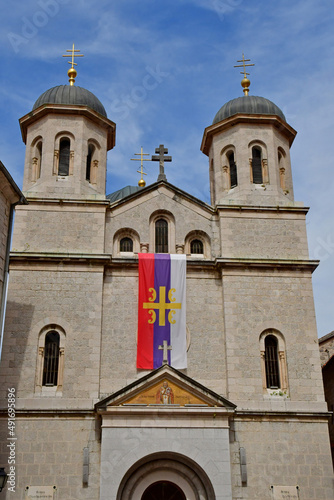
163	490
165	476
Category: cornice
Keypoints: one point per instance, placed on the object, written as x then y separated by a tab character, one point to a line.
199	265
69	109
238	118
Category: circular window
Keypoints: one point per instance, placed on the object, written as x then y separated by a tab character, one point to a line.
163	490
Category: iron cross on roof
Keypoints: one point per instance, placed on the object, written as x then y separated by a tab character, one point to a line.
161	151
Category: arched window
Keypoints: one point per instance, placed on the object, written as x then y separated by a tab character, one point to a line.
126	245
196	247
161	236
51	359
271	362
39	151
90	154
257	165
64	157
233	170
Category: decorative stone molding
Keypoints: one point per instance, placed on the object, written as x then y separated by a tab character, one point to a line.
265	171
71	167
55	161
180	249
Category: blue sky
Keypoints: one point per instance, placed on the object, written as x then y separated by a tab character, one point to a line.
162	71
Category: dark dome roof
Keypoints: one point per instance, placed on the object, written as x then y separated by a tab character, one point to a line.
122	193
71	94
248	104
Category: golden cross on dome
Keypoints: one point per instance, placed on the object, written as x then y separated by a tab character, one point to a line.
141	182
72	73
245	82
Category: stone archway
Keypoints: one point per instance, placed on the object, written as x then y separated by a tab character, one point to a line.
188	478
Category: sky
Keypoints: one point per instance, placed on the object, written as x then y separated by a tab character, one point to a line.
163	69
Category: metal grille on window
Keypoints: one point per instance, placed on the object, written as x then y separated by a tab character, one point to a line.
51	359
64	157
257	166
126	245
271	361
196	247
233	171
161	236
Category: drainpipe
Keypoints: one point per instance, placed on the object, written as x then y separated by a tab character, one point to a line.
6	271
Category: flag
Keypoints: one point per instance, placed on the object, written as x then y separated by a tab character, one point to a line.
161	310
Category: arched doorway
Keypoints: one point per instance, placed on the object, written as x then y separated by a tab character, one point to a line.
166	473
163	490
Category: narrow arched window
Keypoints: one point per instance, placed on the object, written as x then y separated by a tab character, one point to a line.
126	245
271	362
39	151
161	236
257	165
51	359
196	247
64	157
91	149
233	170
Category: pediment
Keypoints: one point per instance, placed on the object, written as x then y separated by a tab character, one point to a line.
161	188
165	387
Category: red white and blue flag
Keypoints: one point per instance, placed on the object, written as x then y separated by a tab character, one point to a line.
161	310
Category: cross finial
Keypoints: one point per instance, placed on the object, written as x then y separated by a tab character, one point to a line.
165	347
141	182
161	151
245	82
72	73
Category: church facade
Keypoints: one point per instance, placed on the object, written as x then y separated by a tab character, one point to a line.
247	418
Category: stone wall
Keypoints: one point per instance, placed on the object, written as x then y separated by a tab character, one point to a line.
71	299
49	451
283	452
60	227
4	220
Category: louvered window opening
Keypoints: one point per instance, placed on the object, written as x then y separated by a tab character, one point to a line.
196	247
40	152
271	361
51	359
89	161
257	166
64	157
161	236
126	245
233	171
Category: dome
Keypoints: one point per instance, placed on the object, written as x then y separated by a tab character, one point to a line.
71	94
122	193
249	104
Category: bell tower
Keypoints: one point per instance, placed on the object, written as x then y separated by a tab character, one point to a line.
67	136
248	145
